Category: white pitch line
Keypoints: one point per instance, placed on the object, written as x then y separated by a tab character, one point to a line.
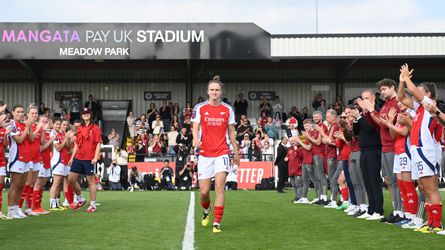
189	234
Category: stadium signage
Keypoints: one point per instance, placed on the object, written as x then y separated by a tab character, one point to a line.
133	41
157	95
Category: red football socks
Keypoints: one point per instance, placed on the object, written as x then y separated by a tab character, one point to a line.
412	197
436	213
219	211
429	214
402	191
23	196
344	193
35	199
69	194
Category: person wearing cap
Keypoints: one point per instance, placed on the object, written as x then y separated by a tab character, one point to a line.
244	145
292	125
83	160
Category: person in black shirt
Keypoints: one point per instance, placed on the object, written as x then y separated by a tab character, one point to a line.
244	128
281	164
184	138
370	159
166	115
151	113
93	106
240	107
254	153
185	177
265	107
140	151
166	175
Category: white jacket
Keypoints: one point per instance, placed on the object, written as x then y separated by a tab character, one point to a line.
114	173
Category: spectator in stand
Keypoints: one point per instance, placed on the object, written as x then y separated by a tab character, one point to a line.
65	116
74	106
187	114
166	175
172	135
254	153
58	106
305	114
258	140
131	124
267	151
200	99
165	115
176	110
281	164
244	145
135	179
316	101
265	106
338	104
155	145
157	125
265	139
331	106
42	108
270	128
277	106
240	106
278	123
113	138
322	108
164	143
175	122
259	127
151	113
140	151
131	149
145	138
184	138
93	106
263	119
114	176
291	129
142	125
243	129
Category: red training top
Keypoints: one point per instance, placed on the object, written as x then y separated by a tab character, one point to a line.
87	138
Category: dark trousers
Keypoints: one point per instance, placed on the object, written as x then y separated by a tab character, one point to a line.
282	177
370	163
349	182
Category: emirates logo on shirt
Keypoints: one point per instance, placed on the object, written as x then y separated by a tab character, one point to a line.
213	121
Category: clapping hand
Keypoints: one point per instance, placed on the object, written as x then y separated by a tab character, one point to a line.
405	73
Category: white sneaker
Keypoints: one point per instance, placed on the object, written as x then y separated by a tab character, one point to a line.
441	232
131	189
332	204
353	211
314	200
349	209
364	216
29	212
4	217
375	216
415	223
303	201
20	213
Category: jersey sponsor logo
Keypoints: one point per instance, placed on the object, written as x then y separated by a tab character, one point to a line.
214	121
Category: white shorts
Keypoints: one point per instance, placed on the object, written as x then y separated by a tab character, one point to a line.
36	166
19	167
3	171
44	173
402	163
424	163
61	169
208	167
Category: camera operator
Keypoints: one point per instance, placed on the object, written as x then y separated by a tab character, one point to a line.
185	177
114	176
166	175
135	179
181	159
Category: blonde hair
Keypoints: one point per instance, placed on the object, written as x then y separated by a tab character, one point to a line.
216	79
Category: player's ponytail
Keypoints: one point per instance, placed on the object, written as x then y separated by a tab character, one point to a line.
216	79
430	87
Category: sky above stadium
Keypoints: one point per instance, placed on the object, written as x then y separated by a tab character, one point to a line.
275	16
